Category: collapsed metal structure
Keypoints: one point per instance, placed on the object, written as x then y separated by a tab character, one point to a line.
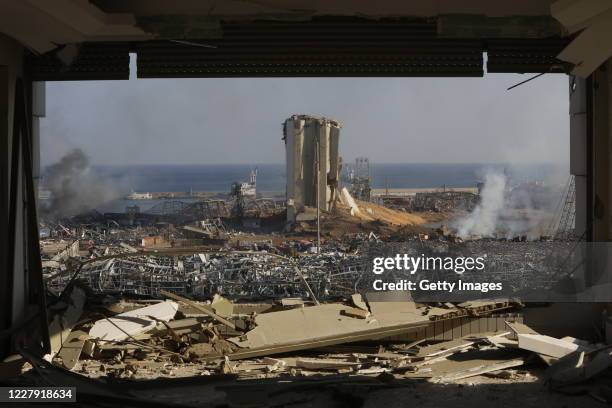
198	210
444	201
524	268
184	212
359	179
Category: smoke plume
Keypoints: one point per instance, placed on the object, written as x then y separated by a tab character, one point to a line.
483	220
522	209
74	187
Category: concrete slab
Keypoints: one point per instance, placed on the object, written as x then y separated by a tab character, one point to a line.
134	322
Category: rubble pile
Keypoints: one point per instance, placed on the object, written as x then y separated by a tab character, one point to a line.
375	335
178	336
436	201
524	268
152	296
444	201
236	274
273	269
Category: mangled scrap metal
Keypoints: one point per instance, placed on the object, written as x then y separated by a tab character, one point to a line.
532	268
142	259
65	314
231	273
444	201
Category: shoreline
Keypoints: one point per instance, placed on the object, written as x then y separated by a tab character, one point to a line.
376	192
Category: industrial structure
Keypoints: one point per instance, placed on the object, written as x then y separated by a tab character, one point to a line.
249	188
359	179
313	163
562	225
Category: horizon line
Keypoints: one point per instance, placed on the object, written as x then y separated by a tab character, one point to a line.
351	162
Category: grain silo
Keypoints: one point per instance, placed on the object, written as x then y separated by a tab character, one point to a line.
313	164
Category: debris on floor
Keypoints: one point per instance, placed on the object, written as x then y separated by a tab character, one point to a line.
371	335
182	337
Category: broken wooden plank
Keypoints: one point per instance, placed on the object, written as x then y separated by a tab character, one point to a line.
273	364
222	306
373	370
178	325
72	348
64	321
520	328
292	302
124	325
198	307
89	348
478	370
446	364
446	347
358	302
324	363
502	341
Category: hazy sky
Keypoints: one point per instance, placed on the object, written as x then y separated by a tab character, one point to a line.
392	120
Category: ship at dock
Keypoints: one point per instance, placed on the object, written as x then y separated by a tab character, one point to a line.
139	196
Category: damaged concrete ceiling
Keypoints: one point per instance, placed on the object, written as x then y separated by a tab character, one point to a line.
384	8
44	26
592	19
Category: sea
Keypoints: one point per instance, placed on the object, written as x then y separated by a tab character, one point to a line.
271	177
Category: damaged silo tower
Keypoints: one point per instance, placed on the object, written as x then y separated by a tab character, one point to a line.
313	164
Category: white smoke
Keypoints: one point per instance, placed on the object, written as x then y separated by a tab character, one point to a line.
483	220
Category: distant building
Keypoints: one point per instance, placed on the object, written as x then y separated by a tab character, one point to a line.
139	196
154	241
249	189
359	179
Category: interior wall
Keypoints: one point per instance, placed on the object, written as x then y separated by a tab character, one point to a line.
590	150
601	196
13	297
578	148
